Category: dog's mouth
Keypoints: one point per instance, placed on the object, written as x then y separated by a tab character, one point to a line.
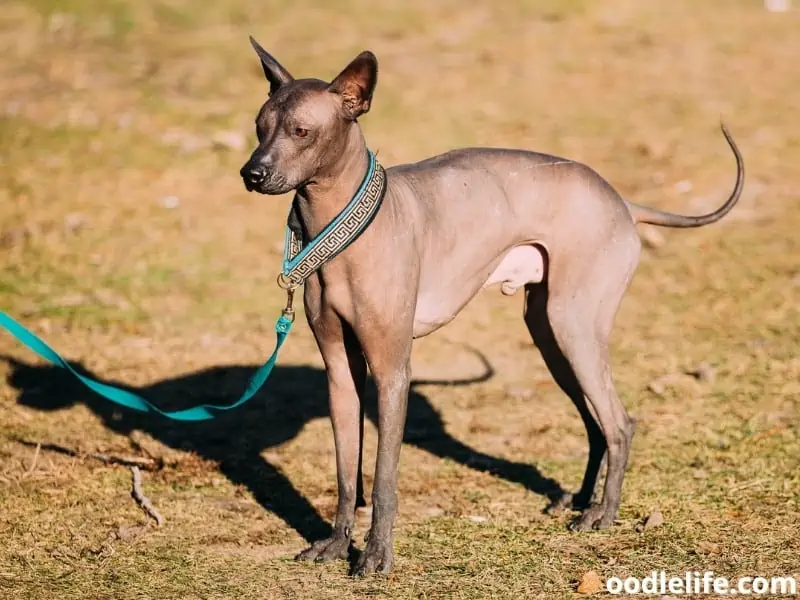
271	186
253	186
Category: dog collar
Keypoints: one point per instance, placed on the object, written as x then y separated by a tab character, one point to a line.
300	260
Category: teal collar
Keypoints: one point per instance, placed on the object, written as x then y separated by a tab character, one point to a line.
301	260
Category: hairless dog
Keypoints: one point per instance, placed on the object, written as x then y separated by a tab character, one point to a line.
448	227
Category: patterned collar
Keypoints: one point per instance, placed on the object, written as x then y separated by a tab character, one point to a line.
301	260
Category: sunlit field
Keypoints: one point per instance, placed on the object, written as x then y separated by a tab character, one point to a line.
128	241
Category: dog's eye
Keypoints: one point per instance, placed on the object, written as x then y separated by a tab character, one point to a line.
300	132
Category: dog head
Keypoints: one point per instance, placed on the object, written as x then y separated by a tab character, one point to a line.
303	126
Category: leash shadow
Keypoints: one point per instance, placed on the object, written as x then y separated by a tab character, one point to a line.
235	440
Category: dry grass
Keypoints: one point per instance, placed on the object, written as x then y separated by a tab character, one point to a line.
108	109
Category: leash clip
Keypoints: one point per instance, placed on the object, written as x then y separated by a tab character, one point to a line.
290	286
288	312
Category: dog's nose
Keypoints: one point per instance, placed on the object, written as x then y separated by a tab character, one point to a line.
253	173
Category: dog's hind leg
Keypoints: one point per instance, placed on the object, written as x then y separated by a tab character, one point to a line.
570	317
535	313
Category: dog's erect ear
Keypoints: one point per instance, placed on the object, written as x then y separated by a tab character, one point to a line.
276	74
356	84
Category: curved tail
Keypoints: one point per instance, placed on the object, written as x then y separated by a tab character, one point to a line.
642	214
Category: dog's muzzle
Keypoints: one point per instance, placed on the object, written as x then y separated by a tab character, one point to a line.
263	179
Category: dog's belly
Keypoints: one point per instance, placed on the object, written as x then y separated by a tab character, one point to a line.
437	307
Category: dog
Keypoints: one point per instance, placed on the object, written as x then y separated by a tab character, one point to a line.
448	227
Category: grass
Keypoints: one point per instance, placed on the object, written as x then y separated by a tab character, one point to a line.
109	108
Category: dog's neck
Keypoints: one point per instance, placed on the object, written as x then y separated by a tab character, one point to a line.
323	198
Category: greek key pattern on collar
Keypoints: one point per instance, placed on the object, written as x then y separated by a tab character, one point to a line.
295	245
342	235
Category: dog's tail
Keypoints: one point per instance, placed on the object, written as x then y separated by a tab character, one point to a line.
642	214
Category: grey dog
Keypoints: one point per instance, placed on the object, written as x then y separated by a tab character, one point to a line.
448	227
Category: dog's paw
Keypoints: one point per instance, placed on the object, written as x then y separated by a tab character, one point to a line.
594	517
377	557
332	548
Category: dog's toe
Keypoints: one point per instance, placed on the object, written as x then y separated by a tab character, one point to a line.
333	548
594	517
377	557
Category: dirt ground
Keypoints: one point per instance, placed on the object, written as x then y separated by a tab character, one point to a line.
128	241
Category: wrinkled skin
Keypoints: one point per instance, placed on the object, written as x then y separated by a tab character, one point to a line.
448	226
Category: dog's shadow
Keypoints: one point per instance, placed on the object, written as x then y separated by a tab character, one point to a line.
292	397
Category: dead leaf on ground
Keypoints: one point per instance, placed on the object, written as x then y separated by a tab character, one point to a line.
653	520
704	547
590	583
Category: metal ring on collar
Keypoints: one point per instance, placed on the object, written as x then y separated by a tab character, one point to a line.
287	284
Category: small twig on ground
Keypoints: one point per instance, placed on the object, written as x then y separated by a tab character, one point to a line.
746	485
128	461
34	461
149	464
143	500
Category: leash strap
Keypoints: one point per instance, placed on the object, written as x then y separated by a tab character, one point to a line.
129	399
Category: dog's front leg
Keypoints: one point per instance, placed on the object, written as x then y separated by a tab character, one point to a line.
390	365
346	369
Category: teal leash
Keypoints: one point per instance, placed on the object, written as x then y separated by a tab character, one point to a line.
135	402
298	264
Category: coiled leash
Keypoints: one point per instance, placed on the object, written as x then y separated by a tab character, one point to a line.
299	262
